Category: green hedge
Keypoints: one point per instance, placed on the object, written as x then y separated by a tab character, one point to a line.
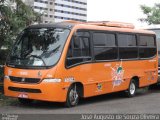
3	56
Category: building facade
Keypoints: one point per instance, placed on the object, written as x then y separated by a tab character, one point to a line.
60	10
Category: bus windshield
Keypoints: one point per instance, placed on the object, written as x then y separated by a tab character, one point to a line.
40	47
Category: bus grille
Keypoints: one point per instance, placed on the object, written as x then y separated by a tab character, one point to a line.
28	90
24	80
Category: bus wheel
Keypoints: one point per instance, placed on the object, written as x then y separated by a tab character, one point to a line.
25	101
132	89
72	96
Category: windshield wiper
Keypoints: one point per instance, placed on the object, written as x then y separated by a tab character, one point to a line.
39	57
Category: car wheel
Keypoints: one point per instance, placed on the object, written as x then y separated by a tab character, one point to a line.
131	89
72	96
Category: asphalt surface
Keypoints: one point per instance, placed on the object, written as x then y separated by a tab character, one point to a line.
145	102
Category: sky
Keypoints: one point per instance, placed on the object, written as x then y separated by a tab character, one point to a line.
118	10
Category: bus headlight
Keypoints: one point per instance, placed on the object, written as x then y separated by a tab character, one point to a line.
51	80
6	77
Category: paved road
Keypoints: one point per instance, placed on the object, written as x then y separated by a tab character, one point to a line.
143	102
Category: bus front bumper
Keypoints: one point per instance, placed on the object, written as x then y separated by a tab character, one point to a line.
43	91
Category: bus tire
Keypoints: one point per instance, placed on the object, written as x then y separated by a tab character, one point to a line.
72	96
25	101
131	92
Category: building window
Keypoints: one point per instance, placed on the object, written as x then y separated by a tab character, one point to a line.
73	7
51	16
73	13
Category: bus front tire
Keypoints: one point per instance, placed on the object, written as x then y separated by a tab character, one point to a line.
131	92
25	101
72	96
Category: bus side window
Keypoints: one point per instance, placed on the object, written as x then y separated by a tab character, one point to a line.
105	47
79	49
127	46
147	46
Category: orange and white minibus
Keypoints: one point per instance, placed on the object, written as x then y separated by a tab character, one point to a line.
62	62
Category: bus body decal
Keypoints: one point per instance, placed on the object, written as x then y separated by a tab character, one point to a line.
117	75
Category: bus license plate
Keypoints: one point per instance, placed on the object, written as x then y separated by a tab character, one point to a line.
23	95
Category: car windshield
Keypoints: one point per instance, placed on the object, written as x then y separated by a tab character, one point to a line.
38	47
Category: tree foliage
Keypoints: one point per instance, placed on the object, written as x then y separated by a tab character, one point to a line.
14	19
152	14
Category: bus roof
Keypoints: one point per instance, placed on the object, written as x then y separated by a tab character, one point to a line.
96	25
51	25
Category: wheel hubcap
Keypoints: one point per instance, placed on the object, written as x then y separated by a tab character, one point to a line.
73	97
132	88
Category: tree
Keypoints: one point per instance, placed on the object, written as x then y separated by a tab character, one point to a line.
14	19
152	14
